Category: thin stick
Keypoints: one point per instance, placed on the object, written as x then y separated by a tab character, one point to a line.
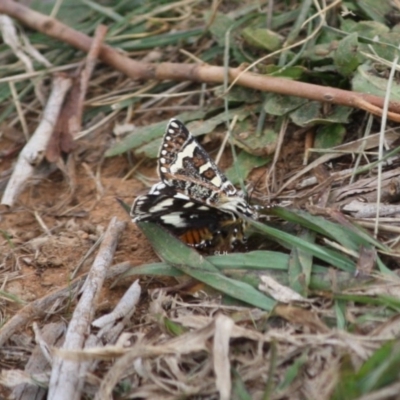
226	138
382	139
86	73
20	113
65	382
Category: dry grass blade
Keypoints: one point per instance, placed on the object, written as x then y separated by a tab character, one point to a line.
223	329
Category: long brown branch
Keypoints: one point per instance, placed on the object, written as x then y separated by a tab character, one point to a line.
192	72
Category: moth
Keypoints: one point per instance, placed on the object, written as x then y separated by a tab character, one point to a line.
194	200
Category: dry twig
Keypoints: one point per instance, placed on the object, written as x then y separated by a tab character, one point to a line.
33	152
70	120
66	381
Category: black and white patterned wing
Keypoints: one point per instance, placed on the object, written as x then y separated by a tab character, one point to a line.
194	223
183	163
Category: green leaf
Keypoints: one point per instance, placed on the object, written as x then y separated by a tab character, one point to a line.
376	10
239	94
249	267
70	12
300	266
262	38
346	57
379	371
290	72
165	39
382	49
370	29
187	260
310	114
332	257
329	136
239	391
293	371
219	26
173	328
347	234
149	133
243	165
244	136
278	104
11	297
367	81
306	113
340	310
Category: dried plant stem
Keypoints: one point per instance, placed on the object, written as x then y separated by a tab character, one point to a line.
86	73
65	381
197	73
33	152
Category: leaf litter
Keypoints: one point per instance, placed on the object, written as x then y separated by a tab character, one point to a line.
326	326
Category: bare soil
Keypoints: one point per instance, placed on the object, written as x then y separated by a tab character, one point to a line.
46	243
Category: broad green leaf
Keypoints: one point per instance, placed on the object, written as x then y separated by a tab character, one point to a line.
310	114
307	113
244	136
329	136
243	165
220	24
385	51
279	105
262	38
370	29
239	94
367	81
346	56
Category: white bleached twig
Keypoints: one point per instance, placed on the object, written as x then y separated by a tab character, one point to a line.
112	324
66	381
33	152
